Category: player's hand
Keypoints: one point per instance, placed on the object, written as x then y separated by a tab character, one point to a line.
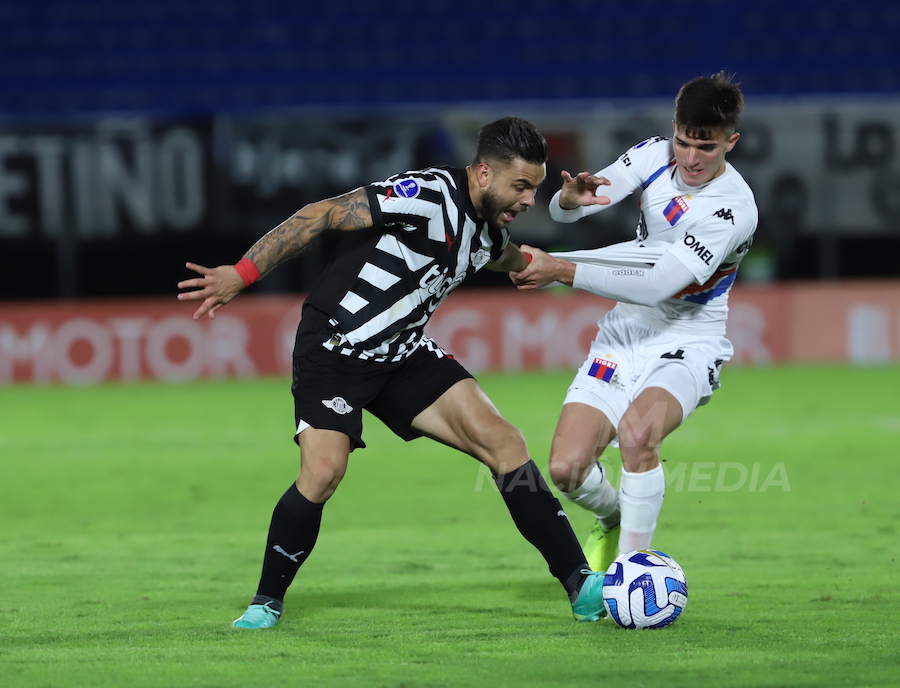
581	190
216	287
543	270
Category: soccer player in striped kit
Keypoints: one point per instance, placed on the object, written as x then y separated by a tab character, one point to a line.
360	343
657	354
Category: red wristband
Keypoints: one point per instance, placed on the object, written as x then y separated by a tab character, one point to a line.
246	268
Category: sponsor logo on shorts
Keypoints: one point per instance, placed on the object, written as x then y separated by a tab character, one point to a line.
603	369
338	405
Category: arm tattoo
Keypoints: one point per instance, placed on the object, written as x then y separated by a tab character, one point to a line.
346	213
351	211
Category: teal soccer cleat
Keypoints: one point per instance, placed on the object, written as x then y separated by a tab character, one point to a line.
258	616
588	604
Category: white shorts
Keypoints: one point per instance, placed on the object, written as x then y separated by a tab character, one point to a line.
626	358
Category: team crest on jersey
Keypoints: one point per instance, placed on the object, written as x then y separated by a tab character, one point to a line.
676	208
408	188
480	258
339	405
603	369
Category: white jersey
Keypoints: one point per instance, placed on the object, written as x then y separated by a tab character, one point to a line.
708	228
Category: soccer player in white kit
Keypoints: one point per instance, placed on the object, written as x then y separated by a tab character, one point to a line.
657	354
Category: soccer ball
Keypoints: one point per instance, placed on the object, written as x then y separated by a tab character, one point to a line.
644	589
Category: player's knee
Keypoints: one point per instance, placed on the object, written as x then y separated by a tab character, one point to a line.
639	458
563	475
501	445
637	437
319	478
569	465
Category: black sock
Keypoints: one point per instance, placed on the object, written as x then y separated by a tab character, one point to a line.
292	536
540	518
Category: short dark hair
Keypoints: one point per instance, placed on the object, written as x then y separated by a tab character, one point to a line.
709	104
508	138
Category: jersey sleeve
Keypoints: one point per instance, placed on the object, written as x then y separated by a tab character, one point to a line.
640	162
645	286
626	174
712	242
375	194
403	201
617	190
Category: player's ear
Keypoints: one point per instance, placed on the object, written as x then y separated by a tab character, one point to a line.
484	173
733	139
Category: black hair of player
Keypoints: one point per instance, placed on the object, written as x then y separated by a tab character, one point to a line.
508	138
709	104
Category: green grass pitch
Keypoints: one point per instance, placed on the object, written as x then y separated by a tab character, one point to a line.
134	516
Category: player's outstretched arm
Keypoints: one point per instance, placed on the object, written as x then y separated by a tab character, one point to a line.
217	286
543	270
581	190
645	286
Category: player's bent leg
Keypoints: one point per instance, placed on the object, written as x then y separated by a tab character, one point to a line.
465	418
296	519
582	433
324	455
652	416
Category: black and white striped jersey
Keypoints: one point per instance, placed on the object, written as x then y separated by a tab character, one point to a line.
385	282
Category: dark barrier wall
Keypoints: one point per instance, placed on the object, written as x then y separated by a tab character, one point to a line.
117	205
114	206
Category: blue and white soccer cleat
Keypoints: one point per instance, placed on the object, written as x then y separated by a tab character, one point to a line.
258	616
588	605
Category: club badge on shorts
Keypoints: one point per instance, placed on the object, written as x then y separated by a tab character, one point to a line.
603	369
339	405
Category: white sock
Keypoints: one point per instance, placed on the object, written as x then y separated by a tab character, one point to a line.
597	495
640	498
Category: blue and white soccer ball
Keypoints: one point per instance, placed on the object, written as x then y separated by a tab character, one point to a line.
644	589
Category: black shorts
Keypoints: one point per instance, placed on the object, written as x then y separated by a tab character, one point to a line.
331	389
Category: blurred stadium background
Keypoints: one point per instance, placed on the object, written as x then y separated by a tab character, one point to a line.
136	136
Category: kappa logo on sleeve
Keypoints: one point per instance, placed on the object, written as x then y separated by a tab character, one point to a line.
725	214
